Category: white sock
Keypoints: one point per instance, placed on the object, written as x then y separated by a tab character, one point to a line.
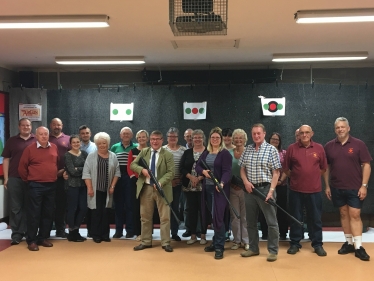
348	238
358	241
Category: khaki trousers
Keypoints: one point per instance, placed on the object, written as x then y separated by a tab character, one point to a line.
148	196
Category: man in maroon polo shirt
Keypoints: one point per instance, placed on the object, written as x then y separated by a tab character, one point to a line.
13	183
62	142
38	167
349	172
305	162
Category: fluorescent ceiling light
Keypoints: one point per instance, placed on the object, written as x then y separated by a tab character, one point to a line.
99	60
305	57
330	16
58	21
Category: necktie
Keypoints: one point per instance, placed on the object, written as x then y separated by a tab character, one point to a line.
153	165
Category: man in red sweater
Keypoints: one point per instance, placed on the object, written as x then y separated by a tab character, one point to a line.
38	167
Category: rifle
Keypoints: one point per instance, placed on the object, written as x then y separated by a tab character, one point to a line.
216	183
239	182
144	164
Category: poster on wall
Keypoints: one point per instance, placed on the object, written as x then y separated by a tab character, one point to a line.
31	111
273	107
121	111
194	110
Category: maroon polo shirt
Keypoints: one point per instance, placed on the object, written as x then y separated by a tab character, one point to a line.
345	162
39	164
13	149
305	164
63	146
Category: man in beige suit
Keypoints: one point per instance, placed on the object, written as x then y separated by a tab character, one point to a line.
161	163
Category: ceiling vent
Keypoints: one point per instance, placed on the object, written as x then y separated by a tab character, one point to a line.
198	17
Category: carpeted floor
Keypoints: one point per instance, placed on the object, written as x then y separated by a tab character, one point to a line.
118	261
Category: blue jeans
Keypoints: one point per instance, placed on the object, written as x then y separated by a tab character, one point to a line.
122	198
313	205
174	226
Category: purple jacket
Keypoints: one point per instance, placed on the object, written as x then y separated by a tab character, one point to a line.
222	171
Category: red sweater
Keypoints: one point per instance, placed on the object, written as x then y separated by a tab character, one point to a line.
39	164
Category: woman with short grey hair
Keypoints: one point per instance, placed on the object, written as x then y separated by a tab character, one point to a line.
100	173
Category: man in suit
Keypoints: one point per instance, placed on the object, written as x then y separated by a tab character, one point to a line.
161	163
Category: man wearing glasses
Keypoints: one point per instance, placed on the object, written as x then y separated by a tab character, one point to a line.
305	163
161	161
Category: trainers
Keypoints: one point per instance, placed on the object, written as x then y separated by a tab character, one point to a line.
117	235
191	241
209	248
175	237
346	249
248	253
361	254
227	239
320	251
272	257
129	235
246	247
292	250
218	255
235	246
203	241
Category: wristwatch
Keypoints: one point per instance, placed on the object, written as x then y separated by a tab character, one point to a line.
112	187
364	184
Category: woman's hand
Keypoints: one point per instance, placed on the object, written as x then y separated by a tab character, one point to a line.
90	192
194	180
206	173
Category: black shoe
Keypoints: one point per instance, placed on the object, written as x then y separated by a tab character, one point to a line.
175	237
168	248
186	234
320	251
361	254
97	240
293	250
106	240
218	255
141	247
62	234
209	248
118	235
15	242
283	237
81	237
129	235
346	249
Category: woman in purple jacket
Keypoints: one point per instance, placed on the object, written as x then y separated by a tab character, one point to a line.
219	160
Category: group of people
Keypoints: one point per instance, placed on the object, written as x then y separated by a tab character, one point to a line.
60	179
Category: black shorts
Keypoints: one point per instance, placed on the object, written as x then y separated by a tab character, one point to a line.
342	197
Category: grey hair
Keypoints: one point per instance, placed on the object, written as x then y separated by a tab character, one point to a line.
142	131
199	132
41	127
343	119
240	132
102	135
173	130
125	128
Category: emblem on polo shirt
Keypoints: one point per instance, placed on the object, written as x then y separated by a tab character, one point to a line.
350	150
315	155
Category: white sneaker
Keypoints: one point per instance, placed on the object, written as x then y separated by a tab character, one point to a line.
246	247
203	241
235	246
191	241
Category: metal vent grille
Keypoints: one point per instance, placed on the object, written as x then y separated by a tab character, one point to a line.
198	17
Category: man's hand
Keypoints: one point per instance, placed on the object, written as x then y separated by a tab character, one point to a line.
248	186
362	192
328	192
90	192
154	186
175	182
145	173
270	195
6	183
60	172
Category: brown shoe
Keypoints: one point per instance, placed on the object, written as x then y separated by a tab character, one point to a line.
45	243
142	247
33	247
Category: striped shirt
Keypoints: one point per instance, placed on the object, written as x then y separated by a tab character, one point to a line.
260	164
102	173
177	156
122	154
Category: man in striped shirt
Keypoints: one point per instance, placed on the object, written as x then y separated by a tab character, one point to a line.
122	193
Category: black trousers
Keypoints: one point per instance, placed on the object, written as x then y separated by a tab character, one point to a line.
77	206
61	202
193	209
40	209
99	217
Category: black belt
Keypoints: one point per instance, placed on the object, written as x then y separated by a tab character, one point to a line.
261	184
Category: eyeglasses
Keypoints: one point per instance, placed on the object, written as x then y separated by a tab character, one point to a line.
172	137
273	139
156	139
304	133
197	138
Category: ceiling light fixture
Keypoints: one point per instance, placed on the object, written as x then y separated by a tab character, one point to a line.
305	57
55	21
99	60
331	16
